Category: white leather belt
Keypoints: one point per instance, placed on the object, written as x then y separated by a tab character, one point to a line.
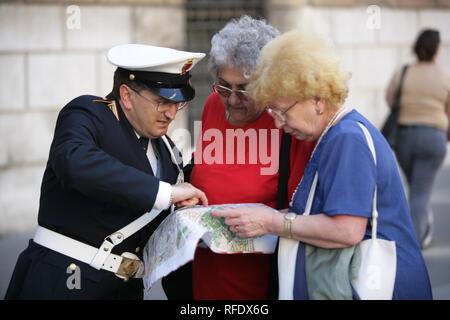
124	266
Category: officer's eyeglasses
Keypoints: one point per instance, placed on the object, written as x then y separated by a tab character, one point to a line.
163	105
278	114
226	92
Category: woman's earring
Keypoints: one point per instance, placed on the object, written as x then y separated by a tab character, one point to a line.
319	111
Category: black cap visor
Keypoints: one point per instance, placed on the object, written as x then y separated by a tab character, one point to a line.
173	87
186	93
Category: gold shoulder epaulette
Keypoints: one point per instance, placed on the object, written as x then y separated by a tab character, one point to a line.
111	105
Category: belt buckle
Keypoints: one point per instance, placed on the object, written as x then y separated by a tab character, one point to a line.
129	266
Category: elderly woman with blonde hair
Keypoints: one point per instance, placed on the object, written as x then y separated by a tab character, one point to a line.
299	79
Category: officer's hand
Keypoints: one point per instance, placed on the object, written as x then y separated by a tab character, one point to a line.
188	193
187	203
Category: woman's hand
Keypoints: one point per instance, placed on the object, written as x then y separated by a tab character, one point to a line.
248	221
185	194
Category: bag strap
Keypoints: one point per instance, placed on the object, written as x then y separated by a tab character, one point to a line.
312	191
284	170
374	203
282	196
398	93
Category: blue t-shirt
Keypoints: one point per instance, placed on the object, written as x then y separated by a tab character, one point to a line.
346	183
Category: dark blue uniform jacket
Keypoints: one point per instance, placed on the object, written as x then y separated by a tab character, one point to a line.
97	180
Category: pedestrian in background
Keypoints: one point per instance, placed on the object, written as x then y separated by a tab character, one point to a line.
423	126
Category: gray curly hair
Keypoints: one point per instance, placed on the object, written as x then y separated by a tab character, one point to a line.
239	43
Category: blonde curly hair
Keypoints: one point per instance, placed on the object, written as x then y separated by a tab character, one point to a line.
301	66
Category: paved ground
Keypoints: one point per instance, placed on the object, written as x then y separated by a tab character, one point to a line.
11	246
437	256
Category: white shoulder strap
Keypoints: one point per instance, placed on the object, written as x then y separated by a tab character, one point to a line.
312	191
117	237
374	203
369	141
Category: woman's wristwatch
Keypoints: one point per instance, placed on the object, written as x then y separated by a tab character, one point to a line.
288	218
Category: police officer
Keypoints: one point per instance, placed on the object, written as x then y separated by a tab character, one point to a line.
111	178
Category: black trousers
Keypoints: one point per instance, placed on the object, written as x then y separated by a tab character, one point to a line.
41	273
178	284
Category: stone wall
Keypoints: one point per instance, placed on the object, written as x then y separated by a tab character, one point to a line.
46	61
371	51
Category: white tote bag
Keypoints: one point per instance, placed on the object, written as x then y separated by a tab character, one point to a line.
376	275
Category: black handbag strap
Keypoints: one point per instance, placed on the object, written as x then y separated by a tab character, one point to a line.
284	171
398	93
282	194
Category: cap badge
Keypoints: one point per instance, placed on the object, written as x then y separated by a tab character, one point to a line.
187	66
131	77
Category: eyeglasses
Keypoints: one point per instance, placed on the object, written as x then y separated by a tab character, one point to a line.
226	92
164	105
280	115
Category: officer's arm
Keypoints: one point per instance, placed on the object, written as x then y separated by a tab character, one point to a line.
79	164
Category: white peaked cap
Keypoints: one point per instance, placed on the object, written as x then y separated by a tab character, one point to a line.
148	58
162	70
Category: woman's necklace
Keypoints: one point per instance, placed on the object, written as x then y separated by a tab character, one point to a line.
340	113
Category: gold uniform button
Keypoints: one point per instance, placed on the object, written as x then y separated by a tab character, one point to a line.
72	266
137	249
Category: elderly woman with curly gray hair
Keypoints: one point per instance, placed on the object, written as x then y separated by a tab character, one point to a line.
237	177
299	79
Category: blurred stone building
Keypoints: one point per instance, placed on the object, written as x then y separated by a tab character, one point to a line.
52	51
